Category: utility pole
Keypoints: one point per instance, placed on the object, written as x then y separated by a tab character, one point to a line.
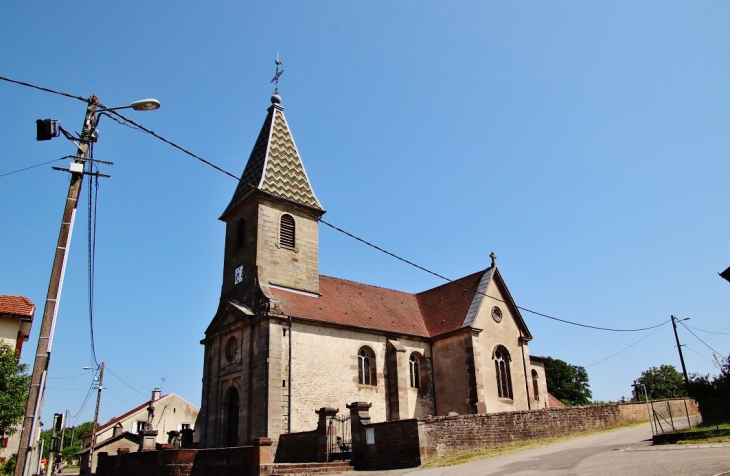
63	429
96	419
679	348
34	407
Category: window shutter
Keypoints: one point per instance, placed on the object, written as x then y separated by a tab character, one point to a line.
286	231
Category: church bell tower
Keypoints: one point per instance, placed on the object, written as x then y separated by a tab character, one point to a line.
271	221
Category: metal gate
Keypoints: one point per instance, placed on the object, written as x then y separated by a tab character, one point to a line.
339	439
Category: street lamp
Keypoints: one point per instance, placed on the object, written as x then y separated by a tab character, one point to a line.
141	105
46	130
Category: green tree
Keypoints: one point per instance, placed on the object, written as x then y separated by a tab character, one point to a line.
8	467
568	383
14	384
662	382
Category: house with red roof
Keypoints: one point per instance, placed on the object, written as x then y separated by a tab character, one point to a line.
16	318
286	341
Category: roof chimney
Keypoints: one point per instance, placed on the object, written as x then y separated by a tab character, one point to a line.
155	394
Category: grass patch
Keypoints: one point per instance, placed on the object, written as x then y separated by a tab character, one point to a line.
710	426
521	446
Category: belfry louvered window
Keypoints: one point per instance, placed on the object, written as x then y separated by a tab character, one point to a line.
240	234
287	231
501	366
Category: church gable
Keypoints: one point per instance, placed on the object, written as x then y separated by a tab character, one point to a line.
228	313
497	311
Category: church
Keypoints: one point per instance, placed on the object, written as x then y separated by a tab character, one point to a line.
286	341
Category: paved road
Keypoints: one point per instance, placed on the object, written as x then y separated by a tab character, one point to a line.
621	452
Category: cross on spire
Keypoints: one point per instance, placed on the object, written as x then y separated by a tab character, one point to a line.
494	259
278	74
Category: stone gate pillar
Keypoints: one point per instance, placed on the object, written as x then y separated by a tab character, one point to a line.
360	418
323	431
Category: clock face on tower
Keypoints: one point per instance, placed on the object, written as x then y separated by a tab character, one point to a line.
238	277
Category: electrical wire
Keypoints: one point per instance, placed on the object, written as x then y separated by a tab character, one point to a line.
117	396
701	355
125	383
614	355
690	331
2	78
319	219
69	376
130	123
710	332
32	167
91	246
86	399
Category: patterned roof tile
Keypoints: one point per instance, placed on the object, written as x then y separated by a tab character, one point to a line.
275	166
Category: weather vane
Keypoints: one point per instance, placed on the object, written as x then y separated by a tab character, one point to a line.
275	80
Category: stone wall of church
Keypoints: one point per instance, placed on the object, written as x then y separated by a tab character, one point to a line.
296	268
540	399
325	374
452	375
505	333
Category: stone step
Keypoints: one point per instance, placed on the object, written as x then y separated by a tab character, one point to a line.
291	469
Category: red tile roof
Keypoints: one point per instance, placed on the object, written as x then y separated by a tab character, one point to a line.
444	308
554	402
355	304
17	306
427	314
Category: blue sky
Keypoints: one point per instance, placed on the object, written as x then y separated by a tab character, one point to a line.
585	143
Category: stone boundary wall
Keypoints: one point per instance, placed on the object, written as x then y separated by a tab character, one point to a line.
395	444
300	447
241	461
451	435
636	412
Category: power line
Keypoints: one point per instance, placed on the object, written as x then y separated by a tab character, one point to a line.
690	330
319	219
709	332
69	376
93	196
44	89
125	383
703	356
614	355
32	167
141	128
86	399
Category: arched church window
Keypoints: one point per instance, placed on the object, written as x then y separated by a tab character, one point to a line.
241	234
535	387
415	366
501	366
366	367
232	418
287	231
